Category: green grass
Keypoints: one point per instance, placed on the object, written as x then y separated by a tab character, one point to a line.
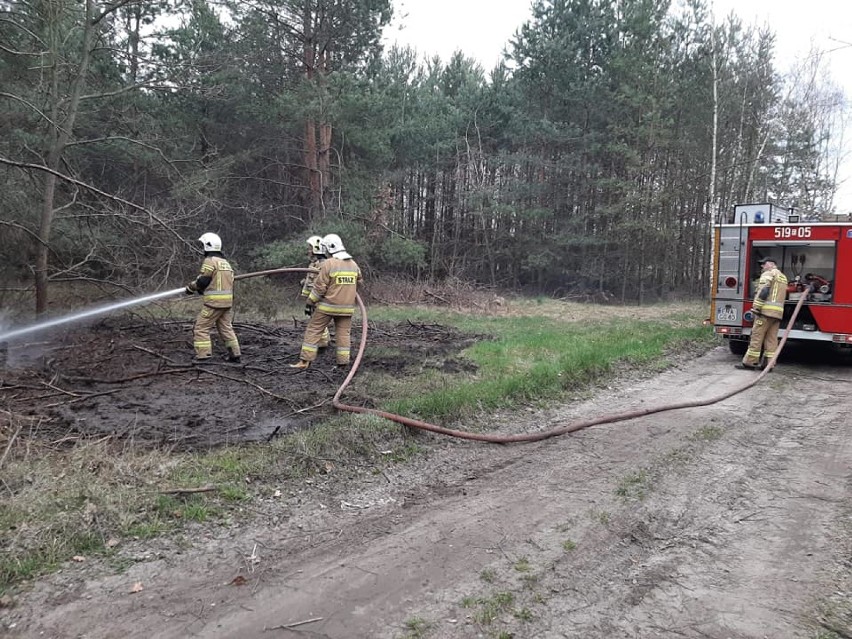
487	575
146	530
708	433
634	485
523	565
524	614
601	516
568	545
415	628
489	608
530	359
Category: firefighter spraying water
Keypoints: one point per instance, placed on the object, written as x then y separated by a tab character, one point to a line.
215	282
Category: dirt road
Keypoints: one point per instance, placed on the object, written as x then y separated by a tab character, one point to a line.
728	521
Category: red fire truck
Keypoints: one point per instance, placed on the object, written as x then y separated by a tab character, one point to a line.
815	255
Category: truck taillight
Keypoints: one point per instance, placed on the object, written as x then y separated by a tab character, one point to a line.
729	330
730	281
842	339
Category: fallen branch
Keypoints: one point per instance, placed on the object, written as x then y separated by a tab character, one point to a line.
61	390
99	380
178	369
17	415
252	384
83	398
156	354
436	296
286	626
188	491
272	435
9	445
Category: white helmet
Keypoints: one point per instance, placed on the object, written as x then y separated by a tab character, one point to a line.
211	242
315	242
333	245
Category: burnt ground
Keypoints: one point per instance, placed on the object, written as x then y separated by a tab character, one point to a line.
136	382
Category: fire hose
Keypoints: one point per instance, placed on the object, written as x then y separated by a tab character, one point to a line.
541	435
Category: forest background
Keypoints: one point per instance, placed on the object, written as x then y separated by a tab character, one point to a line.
592	160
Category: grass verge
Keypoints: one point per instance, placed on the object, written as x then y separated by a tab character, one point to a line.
532	358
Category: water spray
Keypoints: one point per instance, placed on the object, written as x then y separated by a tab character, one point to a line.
67	319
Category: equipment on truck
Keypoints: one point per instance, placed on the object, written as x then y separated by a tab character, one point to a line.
754	231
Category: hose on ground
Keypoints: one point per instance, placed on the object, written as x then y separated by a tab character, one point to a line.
541	435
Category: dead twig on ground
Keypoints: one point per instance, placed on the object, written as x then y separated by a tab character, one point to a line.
323	373
189	491
179	369
269	332
275	431
436	296
748	516
250	383
82	399
60	390
80	438
287	626
252	560
5	387
122	380
156	323
9	445
156	354
17	415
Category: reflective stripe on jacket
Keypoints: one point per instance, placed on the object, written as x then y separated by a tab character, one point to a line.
220	292
773	305
308	282
335	286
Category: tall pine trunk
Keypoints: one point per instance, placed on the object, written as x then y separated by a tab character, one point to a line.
61	129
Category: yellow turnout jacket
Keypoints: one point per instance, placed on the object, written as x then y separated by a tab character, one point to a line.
771	302
335	286
219	293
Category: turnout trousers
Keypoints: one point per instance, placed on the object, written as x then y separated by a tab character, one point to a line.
318	327
764	339
222	320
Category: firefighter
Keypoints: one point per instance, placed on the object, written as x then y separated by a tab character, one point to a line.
333	298
316	256
216	283
768	308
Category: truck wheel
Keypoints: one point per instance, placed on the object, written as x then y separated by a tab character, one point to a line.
738	347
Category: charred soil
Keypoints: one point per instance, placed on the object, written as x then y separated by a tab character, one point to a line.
137	383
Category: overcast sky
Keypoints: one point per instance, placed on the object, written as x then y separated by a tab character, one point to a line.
482	28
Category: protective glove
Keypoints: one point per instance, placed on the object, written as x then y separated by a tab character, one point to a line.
309	309
188	290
